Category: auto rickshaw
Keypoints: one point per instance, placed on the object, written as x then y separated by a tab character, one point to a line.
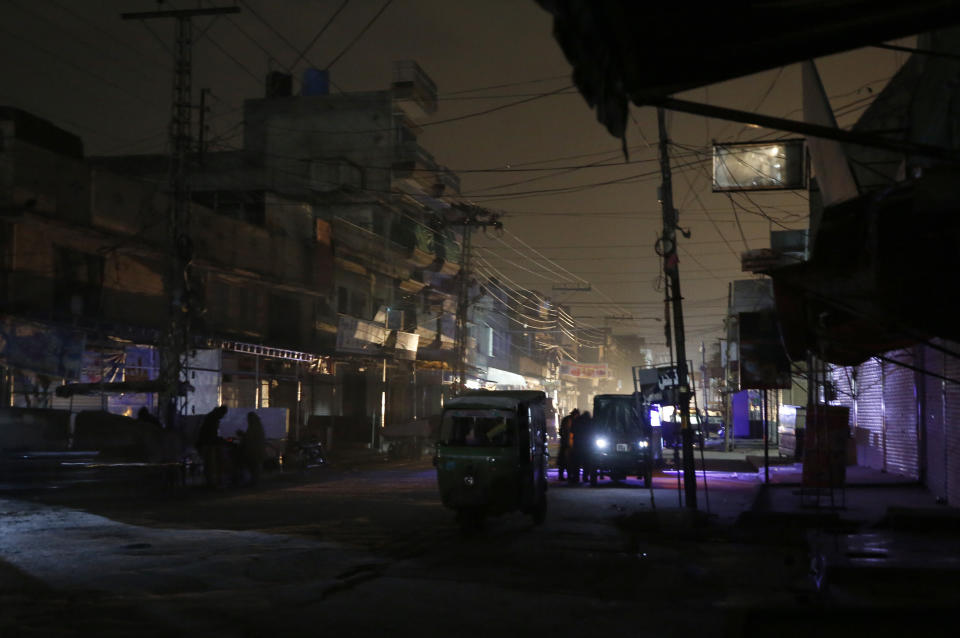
492	455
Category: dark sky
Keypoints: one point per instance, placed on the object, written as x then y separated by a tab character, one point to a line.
109	81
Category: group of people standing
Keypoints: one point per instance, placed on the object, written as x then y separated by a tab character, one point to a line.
224	460
575	435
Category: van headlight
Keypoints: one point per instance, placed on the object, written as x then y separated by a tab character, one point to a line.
642	444
602	443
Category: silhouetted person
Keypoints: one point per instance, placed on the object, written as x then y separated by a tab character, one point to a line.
563	456
585	442
580	446
253	447
209	443
145	415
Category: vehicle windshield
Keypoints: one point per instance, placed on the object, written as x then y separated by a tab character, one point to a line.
617	416
478	428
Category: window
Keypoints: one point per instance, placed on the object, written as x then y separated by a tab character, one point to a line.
284	318
478	428
358	304
78	281
246	206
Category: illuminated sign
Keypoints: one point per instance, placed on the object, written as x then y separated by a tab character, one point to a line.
575	370
756	166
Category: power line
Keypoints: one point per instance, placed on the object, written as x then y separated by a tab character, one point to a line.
548	260
237	62
256	42
710	217
84	19
269	26
511	84
356	39
31	45
323	30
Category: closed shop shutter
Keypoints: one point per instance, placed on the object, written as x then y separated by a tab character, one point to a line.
900	416
933	424
843	384
80	403
869	415
951	413
321	400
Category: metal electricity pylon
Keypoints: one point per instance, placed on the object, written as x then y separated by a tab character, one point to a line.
175	342
467	217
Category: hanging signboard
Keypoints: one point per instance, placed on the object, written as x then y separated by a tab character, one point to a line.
357	335
758	166
403	345
575	370
763	359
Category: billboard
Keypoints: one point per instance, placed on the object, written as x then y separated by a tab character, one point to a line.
574	370
759	166
763	357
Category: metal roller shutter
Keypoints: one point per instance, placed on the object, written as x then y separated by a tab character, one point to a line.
900	416
843	383
80	403
934	424
869	411
951	413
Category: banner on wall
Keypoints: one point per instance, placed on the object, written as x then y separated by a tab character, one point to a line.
41	349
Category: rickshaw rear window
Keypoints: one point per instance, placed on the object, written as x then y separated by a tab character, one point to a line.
479	428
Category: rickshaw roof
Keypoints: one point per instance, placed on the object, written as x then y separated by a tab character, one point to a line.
495	398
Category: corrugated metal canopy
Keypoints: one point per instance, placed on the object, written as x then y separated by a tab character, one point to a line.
639	51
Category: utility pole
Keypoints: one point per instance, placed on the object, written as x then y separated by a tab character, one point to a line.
176	341
202	128
469	217
668	249
706	383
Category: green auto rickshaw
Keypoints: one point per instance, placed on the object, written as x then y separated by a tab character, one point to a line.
492	455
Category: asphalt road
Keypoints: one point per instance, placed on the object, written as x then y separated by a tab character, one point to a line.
370	551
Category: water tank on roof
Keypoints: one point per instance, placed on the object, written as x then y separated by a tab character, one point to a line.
315	82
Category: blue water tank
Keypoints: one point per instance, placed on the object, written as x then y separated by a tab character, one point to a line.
315	82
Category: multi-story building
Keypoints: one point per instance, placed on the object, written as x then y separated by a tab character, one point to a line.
324	272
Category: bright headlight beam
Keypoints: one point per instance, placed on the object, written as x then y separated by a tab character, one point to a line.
601	443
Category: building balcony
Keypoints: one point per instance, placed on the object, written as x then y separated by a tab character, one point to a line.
413	90
385	255
414	167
